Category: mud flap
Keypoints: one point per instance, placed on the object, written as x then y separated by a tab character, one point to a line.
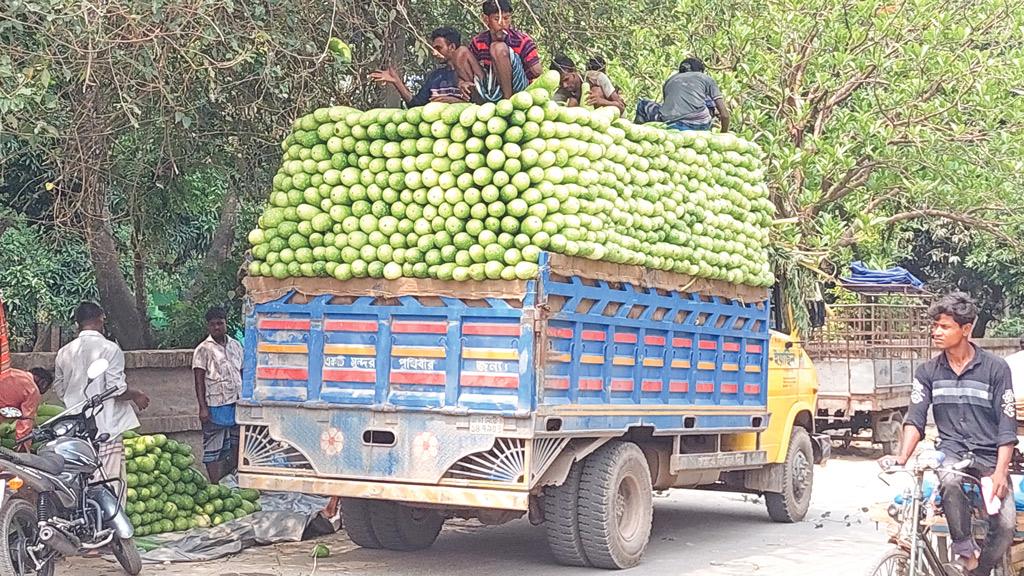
822	448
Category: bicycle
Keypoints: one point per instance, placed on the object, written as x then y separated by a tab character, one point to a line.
919	549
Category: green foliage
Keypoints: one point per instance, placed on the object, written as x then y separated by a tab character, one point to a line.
41	276
887	125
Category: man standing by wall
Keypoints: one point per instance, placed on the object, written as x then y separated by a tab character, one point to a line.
71	383
217	368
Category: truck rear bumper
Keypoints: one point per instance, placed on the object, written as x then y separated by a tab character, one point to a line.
822	447
452	496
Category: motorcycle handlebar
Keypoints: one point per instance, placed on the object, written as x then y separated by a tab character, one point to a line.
41	432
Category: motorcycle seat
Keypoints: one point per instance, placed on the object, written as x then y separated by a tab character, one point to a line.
48	462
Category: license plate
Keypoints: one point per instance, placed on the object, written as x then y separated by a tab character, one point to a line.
486	424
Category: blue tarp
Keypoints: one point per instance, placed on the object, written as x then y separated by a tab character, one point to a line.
861	274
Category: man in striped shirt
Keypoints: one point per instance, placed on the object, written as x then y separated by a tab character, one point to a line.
508	57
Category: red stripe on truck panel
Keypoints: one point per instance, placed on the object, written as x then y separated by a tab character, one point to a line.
622	385
282	324
682	342
490	329
752	389
597	335
754	349
678	386
363	376
420	327
423	378
651	386
732	347
705	387
270	373
625	338
480	381
654	340
730	388
350	326
708	345
591	384
556	383
560	332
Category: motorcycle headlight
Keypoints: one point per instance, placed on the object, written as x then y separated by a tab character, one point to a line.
63	429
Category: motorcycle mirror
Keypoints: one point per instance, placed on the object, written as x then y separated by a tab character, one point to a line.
10	412
97	368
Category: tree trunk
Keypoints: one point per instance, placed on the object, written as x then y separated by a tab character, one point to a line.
396	41
221	244
139	268
130	329
88	163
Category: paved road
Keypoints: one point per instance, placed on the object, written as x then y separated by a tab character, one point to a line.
695	533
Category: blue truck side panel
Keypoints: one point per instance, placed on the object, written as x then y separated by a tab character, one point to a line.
602	355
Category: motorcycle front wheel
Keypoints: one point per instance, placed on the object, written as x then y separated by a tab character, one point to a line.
895	562
18	531
127	555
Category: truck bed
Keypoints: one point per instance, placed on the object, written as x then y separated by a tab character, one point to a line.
360	379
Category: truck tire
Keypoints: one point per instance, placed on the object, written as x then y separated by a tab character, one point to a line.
355	518
404	528
561	519
797	479
894	428
616	506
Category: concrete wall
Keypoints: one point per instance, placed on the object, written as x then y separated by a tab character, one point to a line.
999	346
165	376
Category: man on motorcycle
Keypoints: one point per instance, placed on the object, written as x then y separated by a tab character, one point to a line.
972	401
71	380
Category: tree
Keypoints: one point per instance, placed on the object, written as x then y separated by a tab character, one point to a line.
151	132
122	99
874	116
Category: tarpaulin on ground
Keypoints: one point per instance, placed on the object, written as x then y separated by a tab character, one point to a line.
861	274
286	517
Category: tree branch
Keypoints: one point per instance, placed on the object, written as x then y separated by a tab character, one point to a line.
854	178
966	218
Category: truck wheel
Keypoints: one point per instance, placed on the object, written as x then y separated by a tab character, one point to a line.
404	528
561	519
616	506
355	518
894	428
893	447
797	478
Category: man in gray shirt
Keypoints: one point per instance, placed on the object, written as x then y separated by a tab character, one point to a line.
688	96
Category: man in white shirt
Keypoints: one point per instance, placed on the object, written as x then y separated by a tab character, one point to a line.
71	383
1016	362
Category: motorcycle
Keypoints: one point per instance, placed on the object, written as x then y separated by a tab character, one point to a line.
72	513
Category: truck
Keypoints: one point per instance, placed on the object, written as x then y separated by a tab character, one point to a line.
567	399
865	355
